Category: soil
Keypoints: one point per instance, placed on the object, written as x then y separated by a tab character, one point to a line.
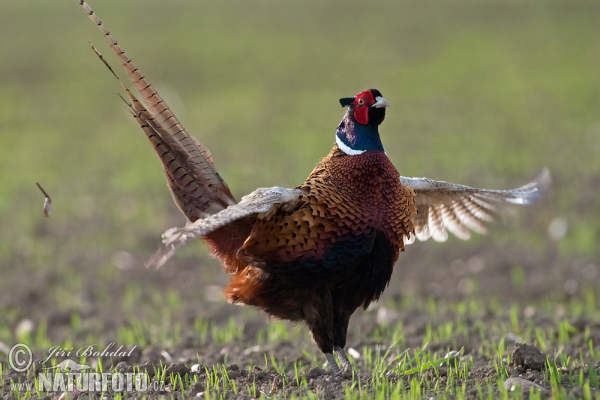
427	272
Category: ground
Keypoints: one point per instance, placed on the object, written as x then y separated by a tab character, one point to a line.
475	305
484	95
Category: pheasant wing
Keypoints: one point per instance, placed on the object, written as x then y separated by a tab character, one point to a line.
191	175
260	201
444	207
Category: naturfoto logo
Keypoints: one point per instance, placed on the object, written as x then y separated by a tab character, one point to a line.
71	376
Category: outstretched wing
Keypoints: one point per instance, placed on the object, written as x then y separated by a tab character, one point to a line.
197	188
260	202
444	206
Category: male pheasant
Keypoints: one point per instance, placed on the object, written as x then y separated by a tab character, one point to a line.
317	252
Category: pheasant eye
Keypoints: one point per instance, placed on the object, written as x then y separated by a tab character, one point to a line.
361	102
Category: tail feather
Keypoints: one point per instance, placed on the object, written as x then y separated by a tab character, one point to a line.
189	189
193	180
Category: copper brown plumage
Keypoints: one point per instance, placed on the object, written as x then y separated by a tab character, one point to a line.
331	254
317	252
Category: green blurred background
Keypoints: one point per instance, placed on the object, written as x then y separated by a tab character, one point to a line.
484	94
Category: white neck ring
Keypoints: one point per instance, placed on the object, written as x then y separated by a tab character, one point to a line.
346	149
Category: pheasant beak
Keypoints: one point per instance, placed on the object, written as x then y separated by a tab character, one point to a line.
380	102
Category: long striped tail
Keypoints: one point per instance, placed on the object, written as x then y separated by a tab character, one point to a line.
197	188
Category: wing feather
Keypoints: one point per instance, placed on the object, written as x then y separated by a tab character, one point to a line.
259	202
469	219
452	222
444	207
436	225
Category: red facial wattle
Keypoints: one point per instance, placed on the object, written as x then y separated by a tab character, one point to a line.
361	103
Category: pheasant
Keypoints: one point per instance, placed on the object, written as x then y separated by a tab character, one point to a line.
319	251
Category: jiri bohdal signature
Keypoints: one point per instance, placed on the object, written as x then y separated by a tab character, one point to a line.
88	351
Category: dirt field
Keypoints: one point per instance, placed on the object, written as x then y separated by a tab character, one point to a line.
474	303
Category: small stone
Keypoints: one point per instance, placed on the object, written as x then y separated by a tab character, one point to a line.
195	368
166	356
512	384
353	353
24	327
253	349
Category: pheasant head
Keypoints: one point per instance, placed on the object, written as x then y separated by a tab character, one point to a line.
359	129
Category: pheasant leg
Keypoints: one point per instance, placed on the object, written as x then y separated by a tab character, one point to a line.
332	363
